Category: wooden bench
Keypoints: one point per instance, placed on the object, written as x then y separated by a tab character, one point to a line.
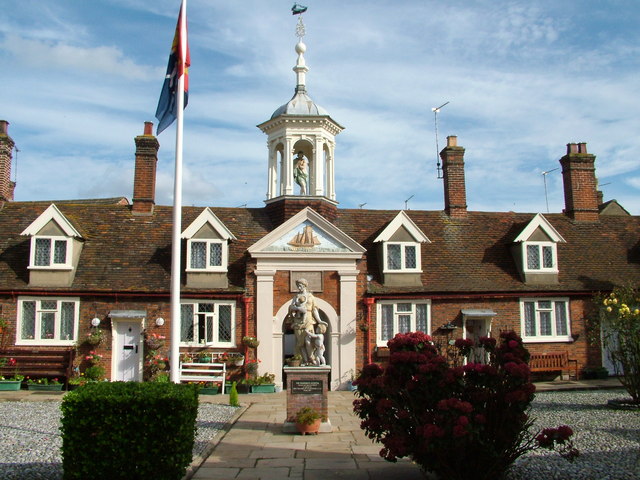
203	372
552	362
39	362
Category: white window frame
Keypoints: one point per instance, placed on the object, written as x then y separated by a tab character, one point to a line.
215	341
396	317
554	337
67	265
403	268
540	246
56	340
208	268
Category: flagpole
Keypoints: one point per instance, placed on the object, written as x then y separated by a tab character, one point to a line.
177	217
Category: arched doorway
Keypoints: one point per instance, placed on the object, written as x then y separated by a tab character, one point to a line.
289	341
284	341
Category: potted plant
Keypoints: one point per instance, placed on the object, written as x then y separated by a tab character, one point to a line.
77	381
233	359
154	341
93	358
308	420
263	383
10	383
94	337
251	367
44	384
204	357
95	373
251	342
208	388
295	360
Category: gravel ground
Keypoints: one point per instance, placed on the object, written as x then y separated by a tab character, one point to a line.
609	440
30	438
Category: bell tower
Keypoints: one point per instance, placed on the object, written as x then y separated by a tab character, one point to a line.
301	142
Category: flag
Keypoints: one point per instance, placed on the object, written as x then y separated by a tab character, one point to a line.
179	62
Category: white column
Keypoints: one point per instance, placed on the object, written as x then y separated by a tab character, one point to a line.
264	320
318	168
348	310
331	188
287	167
272	172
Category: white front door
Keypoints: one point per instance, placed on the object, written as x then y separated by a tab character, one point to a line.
476	327
128	351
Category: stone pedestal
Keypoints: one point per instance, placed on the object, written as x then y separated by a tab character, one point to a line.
307	387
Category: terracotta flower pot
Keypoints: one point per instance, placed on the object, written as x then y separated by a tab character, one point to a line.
305	429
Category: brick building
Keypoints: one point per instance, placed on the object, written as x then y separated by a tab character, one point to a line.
68	265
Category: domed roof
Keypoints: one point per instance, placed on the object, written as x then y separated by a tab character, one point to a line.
300	104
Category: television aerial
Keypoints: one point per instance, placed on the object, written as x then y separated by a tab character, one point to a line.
435	111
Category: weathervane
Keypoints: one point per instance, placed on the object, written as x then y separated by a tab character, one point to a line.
299	10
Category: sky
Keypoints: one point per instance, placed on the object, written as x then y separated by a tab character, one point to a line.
522	80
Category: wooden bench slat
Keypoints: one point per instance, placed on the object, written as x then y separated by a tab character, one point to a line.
203	372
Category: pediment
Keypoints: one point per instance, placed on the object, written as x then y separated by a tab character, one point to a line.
208	221
537	227
54	222
402	227
307	233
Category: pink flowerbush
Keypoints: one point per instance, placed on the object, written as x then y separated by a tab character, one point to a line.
465	422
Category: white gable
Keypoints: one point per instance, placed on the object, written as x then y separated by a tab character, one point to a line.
207	216
308	233
540	222
51	214
402	220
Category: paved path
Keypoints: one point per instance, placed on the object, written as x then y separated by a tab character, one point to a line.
256	448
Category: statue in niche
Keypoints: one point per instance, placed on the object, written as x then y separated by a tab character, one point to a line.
308	327
300	172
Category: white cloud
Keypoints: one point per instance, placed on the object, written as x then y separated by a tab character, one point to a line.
55	55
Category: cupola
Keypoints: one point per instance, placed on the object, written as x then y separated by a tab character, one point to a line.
301	142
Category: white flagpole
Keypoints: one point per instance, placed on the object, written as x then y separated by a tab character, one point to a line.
177	213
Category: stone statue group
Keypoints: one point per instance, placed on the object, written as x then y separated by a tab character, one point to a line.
308	327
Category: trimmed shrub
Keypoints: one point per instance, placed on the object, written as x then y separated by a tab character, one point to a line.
123	430
459	422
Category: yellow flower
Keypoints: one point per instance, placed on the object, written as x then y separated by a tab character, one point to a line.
615	300
636	311
609	309
606	301
612	295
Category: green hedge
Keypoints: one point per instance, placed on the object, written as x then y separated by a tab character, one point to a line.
124	430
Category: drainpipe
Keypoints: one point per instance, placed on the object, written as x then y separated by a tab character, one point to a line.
246	301
368	301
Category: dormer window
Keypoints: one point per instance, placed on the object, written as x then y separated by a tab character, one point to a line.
50	252
541	256
535	251
207	255
400	252
55	248
207	251
401	256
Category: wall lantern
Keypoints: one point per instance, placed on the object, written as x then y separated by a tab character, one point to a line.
159	321
95	322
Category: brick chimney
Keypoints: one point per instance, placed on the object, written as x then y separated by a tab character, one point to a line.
455	194
6	157
580	184
144	181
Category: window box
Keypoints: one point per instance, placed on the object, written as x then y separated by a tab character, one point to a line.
10	385
263	388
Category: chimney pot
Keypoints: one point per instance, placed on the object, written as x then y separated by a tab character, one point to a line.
452	141
582	147
572	148
4	127
148	128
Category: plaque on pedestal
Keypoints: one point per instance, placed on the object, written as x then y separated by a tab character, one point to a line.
307	387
